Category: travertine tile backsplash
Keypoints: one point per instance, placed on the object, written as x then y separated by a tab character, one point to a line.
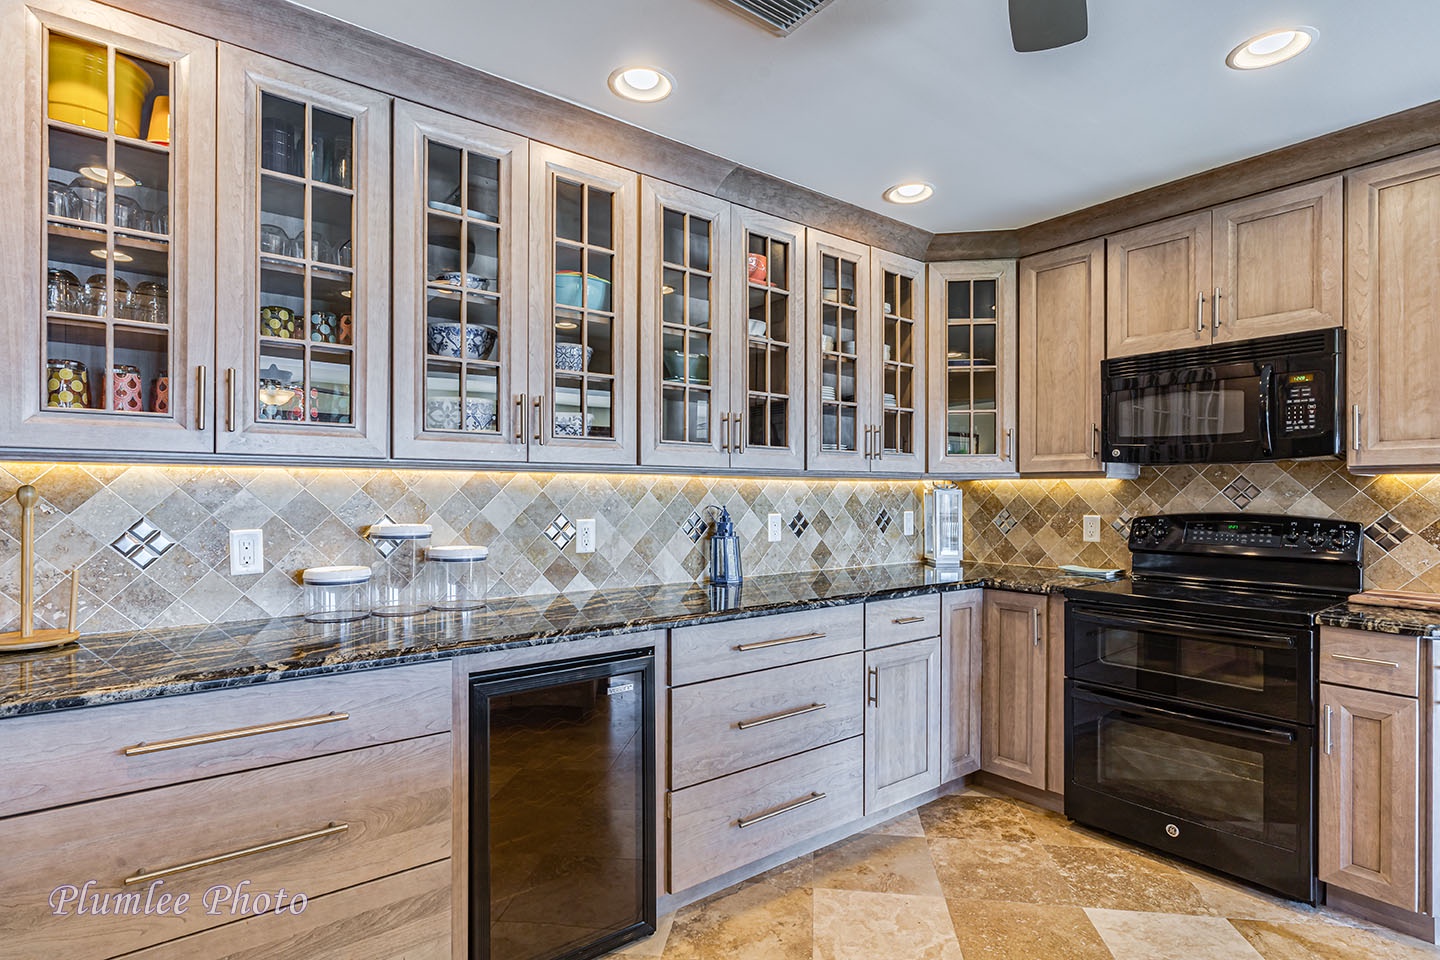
649	528
1039	521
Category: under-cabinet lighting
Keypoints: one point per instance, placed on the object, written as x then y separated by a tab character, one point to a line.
1270	48
914	192
102	175
641	84
104	254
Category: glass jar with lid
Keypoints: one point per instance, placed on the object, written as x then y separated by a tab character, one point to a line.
336	594
397	588
457	576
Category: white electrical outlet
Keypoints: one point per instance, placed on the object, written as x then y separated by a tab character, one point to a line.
247	552
773	528
1091	528
908	519
585	536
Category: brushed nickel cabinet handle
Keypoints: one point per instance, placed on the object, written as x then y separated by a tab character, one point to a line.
1215	311
140	749
1329	724
1355	425
202	375
520	416
879	442
780	641
143	875
744	822
1379	663
1199	311
539	434
1035	625
1094	441
786	715
872	686
1009	443
725	432
230	399
908	620
739	444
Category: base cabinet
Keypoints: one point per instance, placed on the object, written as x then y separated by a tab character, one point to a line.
1014	687
902	722
960	615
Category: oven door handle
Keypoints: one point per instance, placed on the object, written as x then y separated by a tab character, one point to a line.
1264	733
1212	634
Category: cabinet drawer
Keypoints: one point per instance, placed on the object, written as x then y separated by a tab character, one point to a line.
726	725
899	621
58	758
727	823
312	827
713	650
407	915
1371	661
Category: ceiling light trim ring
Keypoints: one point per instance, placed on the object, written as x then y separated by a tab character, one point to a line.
1271	48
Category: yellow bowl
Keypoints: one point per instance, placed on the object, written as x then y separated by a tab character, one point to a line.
78	86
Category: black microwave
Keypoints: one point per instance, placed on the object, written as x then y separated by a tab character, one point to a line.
1276	398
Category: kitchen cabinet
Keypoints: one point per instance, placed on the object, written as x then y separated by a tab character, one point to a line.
583	343
897	416
1014	687
902	722
1263	266
839	375
1392	286
1062	343
461	331
303	301
960	671
973	357
108	232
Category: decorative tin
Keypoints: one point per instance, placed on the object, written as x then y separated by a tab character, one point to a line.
127	392
279	322
160	394
67	384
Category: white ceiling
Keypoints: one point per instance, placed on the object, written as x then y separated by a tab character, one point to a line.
872	92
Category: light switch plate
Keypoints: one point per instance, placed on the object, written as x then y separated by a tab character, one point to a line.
585	536
772	528
908	519
1091	528
247	552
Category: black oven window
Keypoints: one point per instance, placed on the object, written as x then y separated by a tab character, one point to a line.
1189	659
1211	410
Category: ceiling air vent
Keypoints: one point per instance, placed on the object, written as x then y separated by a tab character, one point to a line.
780	17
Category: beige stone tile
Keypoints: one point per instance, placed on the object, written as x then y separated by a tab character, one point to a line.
755	921
1056	828
989	930
971	816
878	863
996	870
1320	941
857	925
653	945
905	825
1233	901
1163	936
1116	879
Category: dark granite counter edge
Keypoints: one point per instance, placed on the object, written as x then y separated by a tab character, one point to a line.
1397	620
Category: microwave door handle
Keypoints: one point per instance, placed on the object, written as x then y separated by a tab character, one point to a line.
1267	409
1264	733
1218	634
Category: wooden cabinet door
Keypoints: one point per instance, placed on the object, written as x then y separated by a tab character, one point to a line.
972	376
960	655
461	358
1370	831
838	366
1013	703
1157	282
583	344
108	286
1062	342
1278	262
902	722
688	370
897	342
1392	289
303	294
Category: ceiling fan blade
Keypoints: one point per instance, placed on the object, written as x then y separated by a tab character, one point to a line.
1047	24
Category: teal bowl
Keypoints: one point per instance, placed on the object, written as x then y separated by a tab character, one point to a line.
567	290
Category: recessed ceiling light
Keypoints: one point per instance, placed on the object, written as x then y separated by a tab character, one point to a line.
643	84
910	192
1268	49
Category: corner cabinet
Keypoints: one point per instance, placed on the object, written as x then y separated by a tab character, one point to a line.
960	659
972	368
107	232
1062	343
1015	687
304	293
897	338
462	362
583	344
1393	286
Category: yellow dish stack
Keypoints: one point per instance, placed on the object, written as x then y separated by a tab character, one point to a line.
78	88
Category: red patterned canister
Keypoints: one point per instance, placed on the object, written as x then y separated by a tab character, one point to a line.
126	392
160	394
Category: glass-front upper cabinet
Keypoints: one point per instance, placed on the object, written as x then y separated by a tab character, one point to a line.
897	352
109	332
303	297
839	376
460	382
972	368
583	309
770	404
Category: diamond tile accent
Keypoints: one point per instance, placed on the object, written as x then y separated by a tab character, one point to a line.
561	531
1121	525
142	544
798	524
1240	491
693	526
883	520
383	547
1388	532
1005	521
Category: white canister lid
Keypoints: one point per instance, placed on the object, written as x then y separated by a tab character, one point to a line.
399	531
457	553
336	576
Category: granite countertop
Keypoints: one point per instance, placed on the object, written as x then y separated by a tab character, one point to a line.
113	668
1398	620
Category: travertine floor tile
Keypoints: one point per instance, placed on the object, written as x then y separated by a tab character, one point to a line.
905	825
991	870
1164	936
1116	879
877	863
755	921
1055	828
989	930
976	817
857	925
652	946
1319	941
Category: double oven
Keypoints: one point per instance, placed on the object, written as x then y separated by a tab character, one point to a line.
1191	691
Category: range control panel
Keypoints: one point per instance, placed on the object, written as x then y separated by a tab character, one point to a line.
1271	535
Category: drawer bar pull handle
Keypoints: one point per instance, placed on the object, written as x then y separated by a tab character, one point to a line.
1379	663
779	641
908	620
744	822
747	724
143	875
140	749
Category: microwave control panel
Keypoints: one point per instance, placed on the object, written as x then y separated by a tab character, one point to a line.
1300	403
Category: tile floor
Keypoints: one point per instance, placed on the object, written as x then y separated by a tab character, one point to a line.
977	876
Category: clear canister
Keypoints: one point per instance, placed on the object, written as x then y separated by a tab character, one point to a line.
457	576
336	594
397	588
